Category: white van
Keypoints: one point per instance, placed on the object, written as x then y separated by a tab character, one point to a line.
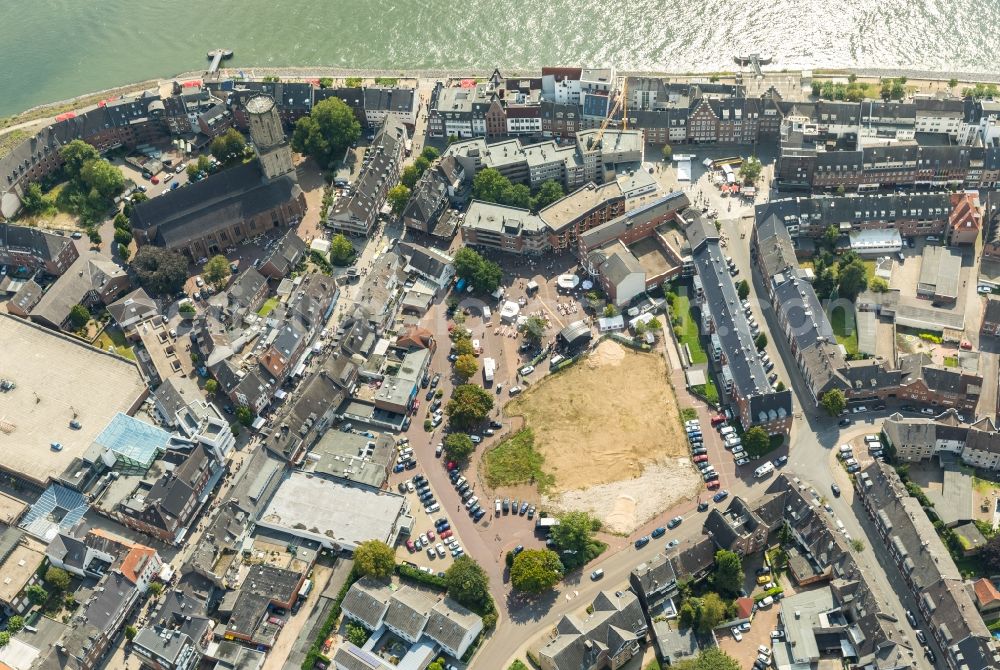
845	448
556	360
871	438
764	470
487	314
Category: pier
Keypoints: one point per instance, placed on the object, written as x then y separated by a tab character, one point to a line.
217	56
754	60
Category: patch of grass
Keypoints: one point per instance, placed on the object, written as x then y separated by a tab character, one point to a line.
951	361
268	305
708	390
115	339
11	140
516	461
847	335
689	330
689	414
984	486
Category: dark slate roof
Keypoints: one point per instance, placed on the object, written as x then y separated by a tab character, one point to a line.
367	601
69	550
449	623
215	203
827	211
992	311
654	577
722	303
246	285
288	252
39	243
408	611
953	106
135	304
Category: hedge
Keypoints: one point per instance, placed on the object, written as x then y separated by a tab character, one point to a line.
776	591
409	572
315	654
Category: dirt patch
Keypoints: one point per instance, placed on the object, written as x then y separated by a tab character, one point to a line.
609	432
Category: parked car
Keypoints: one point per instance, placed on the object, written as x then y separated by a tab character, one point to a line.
780	460
702	506
742	461
642	542
835	489
720	496
527	370
596	574
736	634
676	521
658	532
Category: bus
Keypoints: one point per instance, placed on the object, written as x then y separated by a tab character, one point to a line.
732	161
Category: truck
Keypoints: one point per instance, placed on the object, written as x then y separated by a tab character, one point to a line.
546	523
489	368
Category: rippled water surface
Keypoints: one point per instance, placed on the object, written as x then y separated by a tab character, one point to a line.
53	49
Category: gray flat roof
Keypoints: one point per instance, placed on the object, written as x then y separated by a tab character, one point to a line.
58	378
578	204
939	271
801	613
332	512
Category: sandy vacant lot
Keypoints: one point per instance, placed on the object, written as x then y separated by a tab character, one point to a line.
608	428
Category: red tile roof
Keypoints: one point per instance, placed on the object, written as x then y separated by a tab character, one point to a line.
986	593
135	560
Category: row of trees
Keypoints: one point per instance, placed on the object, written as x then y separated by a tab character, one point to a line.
491	186
484	274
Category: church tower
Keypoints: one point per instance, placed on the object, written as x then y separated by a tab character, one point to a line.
269	137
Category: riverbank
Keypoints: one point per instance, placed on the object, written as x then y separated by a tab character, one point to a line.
35	115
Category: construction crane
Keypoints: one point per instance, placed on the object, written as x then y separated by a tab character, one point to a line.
620	104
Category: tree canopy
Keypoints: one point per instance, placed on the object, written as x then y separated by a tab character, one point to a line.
103	177
160	271
326	133
458	446
728	577
549	192
484	274
760	342
711	612
57	578
468	583
228	146
756	441
469	405
750	170
341	250
743	289
466	366
834	402
398	196
667	152
409	176
217	271
79	316
374	558
534	328
574	537
852	279
536	570
75	155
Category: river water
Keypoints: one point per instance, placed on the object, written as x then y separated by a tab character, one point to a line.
54	49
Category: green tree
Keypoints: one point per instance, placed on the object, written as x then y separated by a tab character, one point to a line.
211	387
878	285
536	570
192	170
609	310
667	152
489	185
156	588
121	222
780	386
356	635
743	289
760	342
374	558
756	442
468	583
549	192
852	279
833	402
325	82
4	638
341	250
409	176
15	624
467	262
130	632
228	146
103	177
841	190
534	329
123	237
75	155
33	200
79	316
430	154
57	578
469	405
326	133
897	92
458	446
217	271
573	537
36	594
398	196
244	415
463	347
952	83
488	277
830	238
159	271
750	170
421	164
466	366
516	195
711	612
728	577
352	82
